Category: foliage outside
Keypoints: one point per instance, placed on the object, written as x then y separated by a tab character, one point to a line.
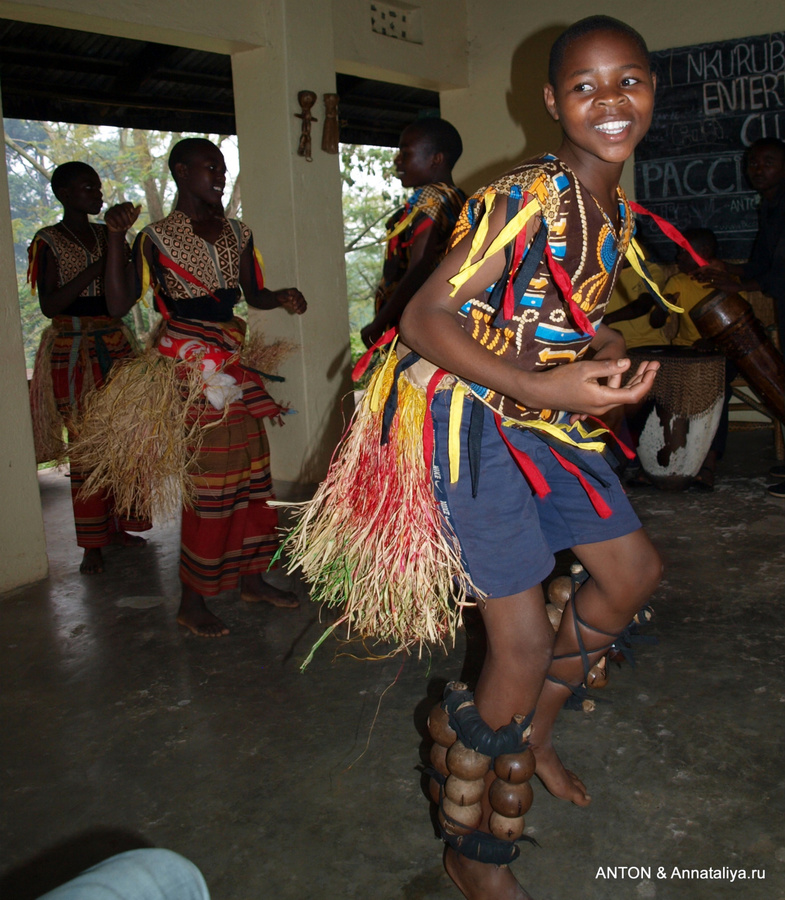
132	166
371	194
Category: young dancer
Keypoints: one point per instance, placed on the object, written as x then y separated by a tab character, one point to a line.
418	233
67	263
515	312
199	262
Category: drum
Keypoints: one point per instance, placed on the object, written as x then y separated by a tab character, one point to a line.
679	417
730	322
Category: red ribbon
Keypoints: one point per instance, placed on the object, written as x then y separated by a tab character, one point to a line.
364	361
168	263
508	304
427	428
564	284
600	506
525	463
258	272
669	231
629	453
423	226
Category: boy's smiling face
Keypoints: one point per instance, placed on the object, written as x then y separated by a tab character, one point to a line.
603	98
415	161
204	175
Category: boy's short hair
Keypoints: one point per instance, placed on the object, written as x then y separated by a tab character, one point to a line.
184	150
767	143
442	137
703	240
63	175
584	27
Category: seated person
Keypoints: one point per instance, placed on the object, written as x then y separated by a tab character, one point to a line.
633	311
686	289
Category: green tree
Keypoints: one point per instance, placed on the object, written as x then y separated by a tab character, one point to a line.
132	165
371	194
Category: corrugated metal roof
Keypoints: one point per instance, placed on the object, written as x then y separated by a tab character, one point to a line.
64	75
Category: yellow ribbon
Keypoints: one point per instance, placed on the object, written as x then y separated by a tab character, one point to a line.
454	430
145	269
376	392
401	226
34	250
560	432
634	254
516	224
258	254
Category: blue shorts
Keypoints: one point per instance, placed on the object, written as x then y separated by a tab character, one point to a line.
508	535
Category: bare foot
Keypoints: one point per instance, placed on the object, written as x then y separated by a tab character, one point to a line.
482	881
559	781
124	539
255	589
92	561
195	615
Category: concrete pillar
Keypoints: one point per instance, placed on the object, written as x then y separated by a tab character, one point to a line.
23	555
294	208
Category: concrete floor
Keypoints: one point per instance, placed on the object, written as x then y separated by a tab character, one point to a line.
119	729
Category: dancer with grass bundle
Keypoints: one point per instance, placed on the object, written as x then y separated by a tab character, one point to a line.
79	348
198	263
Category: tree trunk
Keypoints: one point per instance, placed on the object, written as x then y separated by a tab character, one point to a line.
235	200
155	206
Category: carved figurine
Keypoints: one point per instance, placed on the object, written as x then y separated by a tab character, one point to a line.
306	99
332	127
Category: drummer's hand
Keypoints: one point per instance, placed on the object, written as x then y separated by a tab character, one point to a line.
717	277
671	327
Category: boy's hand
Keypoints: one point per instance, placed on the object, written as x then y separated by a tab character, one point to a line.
370	335
671	327
292	300
120	218
593	387
715	275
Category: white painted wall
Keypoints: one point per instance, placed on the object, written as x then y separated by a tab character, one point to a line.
438	63
294	208
23	558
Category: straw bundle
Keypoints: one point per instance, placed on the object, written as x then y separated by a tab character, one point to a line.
263	357
372	541
138	436
47	422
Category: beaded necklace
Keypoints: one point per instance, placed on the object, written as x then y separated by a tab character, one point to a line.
75	238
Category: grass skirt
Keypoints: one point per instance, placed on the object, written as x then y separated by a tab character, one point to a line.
372	541
48	424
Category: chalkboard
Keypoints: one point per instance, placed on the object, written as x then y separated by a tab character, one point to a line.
712	102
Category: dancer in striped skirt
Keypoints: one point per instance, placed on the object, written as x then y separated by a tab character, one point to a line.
199	263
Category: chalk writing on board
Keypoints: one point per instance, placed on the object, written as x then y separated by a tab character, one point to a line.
713	101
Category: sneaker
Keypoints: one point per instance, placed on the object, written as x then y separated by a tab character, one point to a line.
777	490
777	471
